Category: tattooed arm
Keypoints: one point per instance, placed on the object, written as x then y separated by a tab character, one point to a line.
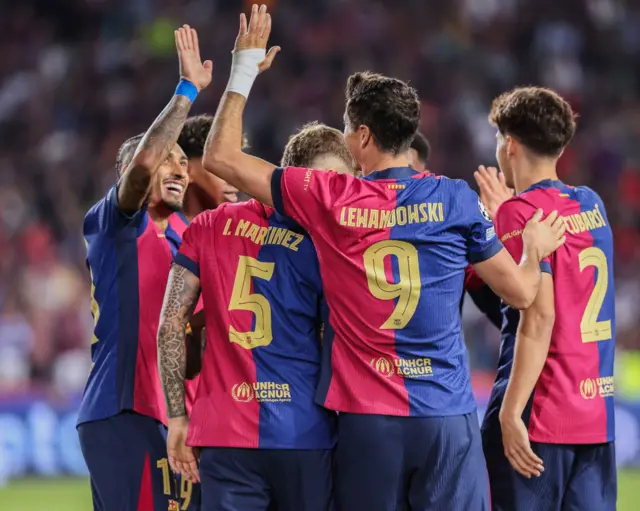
180	299
155	146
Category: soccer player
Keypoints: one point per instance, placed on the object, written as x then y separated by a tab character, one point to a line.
551	414
131	237
392	248
264	442
206	191
419	152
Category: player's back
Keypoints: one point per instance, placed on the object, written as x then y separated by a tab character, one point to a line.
262	296
394	251
573	399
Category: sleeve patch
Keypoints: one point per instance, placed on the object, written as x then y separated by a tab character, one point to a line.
483	211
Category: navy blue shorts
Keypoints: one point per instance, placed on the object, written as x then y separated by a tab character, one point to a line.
265	479
388	463
127	459
575	477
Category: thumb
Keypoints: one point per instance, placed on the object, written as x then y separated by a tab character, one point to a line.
271	55
537	216
208	65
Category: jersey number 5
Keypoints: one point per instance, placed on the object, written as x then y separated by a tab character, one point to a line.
243	299
591	329
406	290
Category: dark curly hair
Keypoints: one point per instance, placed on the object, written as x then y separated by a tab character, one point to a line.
387	106
194	135
313	140
126	152
537	117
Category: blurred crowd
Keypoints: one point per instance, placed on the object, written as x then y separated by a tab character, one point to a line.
78	77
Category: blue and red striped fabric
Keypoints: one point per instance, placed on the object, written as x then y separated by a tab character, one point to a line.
129	260
262	299
573	400
393	249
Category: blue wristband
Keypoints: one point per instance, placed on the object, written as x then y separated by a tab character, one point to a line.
187	89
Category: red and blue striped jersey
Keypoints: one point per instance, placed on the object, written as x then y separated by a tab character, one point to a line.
572	402
393	248
129	260
262	299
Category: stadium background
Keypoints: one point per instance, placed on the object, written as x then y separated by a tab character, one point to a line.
77	77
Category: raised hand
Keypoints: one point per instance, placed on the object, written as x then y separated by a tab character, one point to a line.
255	35
191	66
546	235
493	189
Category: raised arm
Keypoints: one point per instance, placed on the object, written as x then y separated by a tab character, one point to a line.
155	146
223	154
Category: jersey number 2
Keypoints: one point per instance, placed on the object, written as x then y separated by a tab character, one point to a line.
243	299
406	290
591	329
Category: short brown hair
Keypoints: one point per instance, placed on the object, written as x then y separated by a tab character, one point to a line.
194	135
389	107
537	117
313	140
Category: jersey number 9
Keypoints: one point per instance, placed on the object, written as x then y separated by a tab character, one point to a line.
243	299
406	290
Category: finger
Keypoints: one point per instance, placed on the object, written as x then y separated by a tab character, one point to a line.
196	43
531	466
551	217
266	29
518	463
183	39
262	19
253	21
502	181
172	464
266	63
188	37
193	470
532	458
208	65
243	24
182	470
537	216
178	37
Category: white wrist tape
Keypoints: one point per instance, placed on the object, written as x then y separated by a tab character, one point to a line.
244	69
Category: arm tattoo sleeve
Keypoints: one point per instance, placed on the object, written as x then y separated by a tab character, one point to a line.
154	148
180	299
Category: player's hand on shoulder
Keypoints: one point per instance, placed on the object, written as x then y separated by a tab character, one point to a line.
254	35
545	235
182	458
517	447
191	66
493	188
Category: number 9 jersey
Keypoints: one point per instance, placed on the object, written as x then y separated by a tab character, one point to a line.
393	248
572	402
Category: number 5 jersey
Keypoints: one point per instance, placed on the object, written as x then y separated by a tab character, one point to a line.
572	402
393	248
262	299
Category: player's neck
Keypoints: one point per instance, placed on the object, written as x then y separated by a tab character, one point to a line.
160	216
532	173
383	161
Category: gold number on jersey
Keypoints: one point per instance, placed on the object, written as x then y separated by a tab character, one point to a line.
591	329
406	290
186	488
163	464
243	299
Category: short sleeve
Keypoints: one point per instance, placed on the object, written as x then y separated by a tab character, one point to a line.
511	219
305	194
107	218
189	254
482	242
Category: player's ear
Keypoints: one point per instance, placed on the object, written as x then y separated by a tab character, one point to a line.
365	135
510	144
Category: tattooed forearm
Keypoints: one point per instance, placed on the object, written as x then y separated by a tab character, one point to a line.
180	299
153	149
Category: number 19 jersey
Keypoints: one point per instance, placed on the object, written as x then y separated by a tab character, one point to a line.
393	248
262	300
572	402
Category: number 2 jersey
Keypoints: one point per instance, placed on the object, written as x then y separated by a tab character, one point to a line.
572	402
393	248
262	299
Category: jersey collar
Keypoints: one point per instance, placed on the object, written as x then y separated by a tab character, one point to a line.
546	183
392	173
